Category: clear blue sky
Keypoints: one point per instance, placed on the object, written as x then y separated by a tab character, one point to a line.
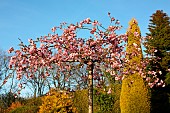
34	18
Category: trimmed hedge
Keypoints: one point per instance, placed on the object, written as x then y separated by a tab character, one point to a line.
134	94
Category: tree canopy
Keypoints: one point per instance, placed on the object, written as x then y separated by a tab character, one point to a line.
158	39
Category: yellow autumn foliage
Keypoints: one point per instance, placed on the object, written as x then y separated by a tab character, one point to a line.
134	96
57	102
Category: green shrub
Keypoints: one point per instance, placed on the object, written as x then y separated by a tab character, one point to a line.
25	109
33	101
2	107
107	103
30	105
116	92
81	100
103	102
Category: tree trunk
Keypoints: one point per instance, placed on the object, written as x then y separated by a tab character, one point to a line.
35	92
90	88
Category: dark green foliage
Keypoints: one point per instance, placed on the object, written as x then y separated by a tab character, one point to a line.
7	99
116	92
160	100
158	39
167	80
103	101
107	103
159	32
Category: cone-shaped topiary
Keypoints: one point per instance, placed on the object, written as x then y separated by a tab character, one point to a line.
134	96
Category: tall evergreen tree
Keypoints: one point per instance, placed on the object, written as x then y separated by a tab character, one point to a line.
134	94
158	40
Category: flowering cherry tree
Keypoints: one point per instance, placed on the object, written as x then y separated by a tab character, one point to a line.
102	50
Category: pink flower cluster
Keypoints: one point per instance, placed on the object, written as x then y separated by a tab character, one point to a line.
104	47
67	47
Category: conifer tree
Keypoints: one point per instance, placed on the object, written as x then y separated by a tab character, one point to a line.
134	94
158	40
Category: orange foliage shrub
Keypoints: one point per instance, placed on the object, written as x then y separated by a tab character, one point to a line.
14	105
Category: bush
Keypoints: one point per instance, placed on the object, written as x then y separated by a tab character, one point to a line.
2	110
2	107
116	92
14	105
104	102
81	100
107	103
60	102
25	109
7	99
28	106
33	101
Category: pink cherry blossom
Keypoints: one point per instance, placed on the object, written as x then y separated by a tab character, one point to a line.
117	22
151	85
136	34
155	50
95	23
87	21
11	50
53	29
117	78
112	19
160	72
15	96
109	91
103	48
148	79
135	45
163	85
20	85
